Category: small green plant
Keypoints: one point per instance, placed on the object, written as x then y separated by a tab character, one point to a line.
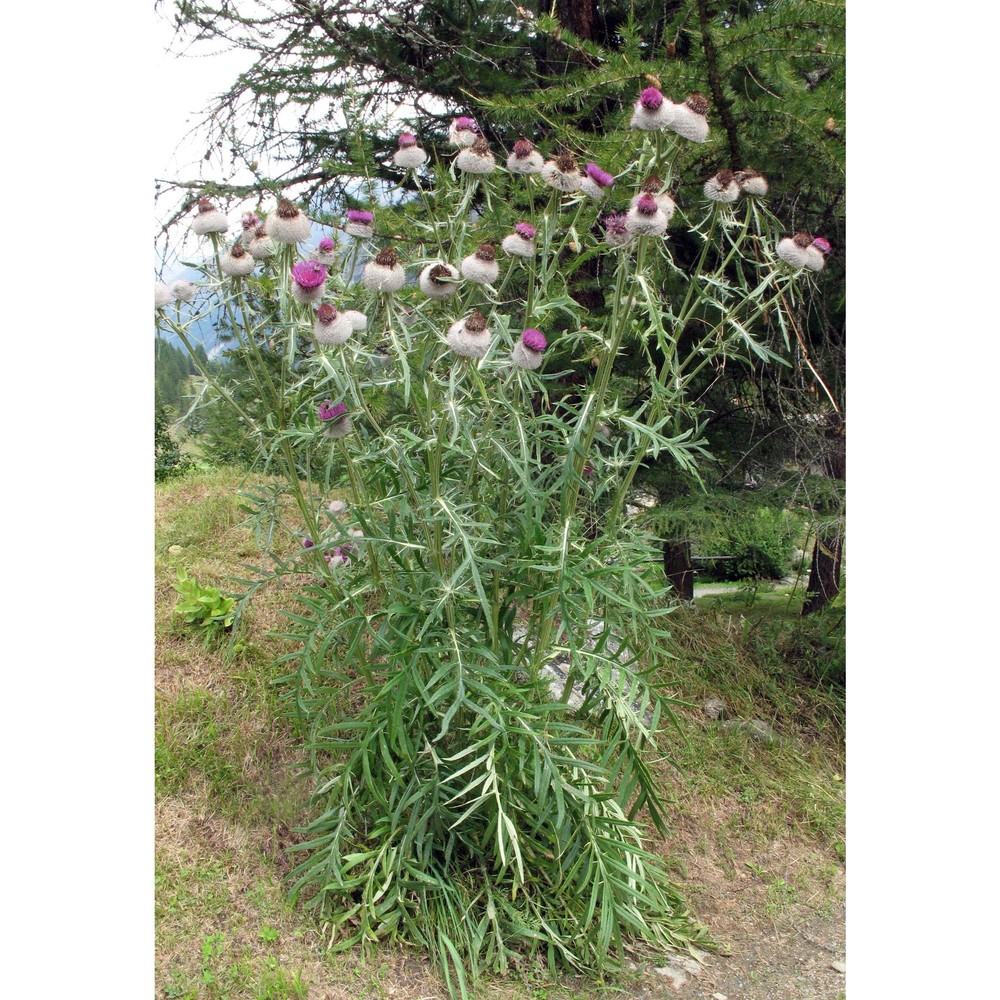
268	934
204	606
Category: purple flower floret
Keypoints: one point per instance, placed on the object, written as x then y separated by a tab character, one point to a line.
356	215
307	543
534	340
615	224
651	98
464	121
251	221
328	410
406	140
309	273
821	244
647	205
326	244
525	230
599	176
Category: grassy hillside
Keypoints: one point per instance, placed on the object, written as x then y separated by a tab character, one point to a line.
757	838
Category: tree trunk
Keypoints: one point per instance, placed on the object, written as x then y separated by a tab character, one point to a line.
677	566
824	575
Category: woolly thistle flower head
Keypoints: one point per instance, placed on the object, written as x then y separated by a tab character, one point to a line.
470	337
816	253
689	119
162	295
646	218
309	273
237	261
287	224
525	159
653	186
751	182
520	243
596	182
331	327
463	131
325	252
652	111
722	187
261	245
616	232
209	219
527	352
184	291
359	223
438	280
250	222
357	319
384	273
794	250
481	266
562	173
409	155
337	507
308	281
335	418
476	159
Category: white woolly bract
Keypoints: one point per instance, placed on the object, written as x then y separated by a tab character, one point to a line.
411	157
209	222
359	229
554	177
337	507
434	290
326	257
261	248
307	295
531	164
518	246
715	191
236	266
183	290
338	429
380	278
814	258
649	120
591	188
468	345
359	321
755	185
293	230
333	333
646	225
461	136
793	255
162	295
525	357
688	124
614	240
474	163
482	272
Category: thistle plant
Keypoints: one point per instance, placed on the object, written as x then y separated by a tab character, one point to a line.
483	595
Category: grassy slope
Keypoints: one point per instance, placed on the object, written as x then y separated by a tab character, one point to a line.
757	835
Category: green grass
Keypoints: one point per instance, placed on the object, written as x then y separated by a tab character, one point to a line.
228	799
